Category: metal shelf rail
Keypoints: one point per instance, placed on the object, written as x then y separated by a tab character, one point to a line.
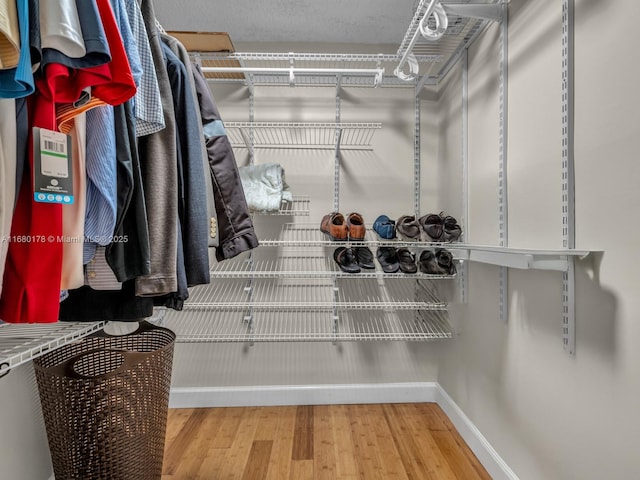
21	343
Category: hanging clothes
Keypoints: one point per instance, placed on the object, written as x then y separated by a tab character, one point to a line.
18	82
31	289
181	52
60	28
192	266
8	165
72	275
9	35
88	305
160	177
128	256
147	102
235	227
33	272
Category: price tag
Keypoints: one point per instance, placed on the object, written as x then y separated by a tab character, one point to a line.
53	173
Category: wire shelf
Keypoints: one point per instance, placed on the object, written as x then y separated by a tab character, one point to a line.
21	343
309	235
306	326
290	265
299	207
460	33
301	135
313	295
266	60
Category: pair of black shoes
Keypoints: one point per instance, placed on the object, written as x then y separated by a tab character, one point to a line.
437	262
392	259
353	259
436	228
440	227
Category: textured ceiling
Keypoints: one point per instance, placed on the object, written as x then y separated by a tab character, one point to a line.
292	21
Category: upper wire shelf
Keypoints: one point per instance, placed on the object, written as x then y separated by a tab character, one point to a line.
301	135
21	343
465	19
304	69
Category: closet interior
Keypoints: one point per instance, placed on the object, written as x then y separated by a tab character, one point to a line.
295	291
290	288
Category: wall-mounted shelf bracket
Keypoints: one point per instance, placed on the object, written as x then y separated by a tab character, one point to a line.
554	260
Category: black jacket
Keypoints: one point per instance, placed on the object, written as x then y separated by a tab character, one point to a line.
235	227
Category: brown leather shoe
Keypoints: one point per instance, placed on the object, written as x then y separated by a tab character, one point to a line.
334	226
355	224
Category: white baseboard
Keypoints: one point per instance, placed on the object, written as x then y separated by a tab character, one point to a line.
302	395
349	394
479	445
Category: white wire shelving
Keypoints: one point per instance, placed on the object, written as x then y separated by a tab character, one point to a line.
309	326
434	59
21	343
304	69
466	20
304	265
297	207
309	235
281	306
301	135
315	294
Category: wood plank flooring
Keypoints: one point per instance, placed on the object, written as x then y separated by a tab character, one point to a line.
381	441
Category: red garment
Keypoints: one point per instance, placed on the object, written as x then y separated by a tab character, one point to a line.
112	82
31	291
122	86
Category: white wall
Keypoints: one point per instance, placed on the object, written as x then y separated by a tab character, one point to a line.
549	415
24	452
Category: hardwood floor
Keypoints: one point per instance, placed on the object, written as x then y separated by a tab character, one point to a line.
386	441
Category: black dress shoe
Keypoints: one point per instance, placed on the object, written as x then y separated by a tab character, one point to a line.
438	262
388	259
406	260
364	257
346	259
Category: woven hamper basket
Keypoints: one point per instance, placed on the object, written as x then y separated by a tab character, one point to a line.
104	401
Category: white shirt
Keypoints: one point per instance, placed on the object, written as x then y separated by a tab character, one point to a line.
7	175
60	27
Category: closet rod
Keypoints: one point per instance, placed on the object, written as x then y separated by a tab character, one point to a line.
378	72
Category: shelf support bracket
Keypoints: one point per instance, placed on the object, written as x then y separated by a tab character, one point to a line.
503	191
463	269
568	176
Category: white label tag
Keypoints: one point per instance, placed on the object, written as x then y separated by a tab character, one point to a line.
54	161
52	168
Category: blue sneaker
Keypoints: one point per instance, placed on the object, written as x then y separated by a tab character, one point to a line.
385	227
